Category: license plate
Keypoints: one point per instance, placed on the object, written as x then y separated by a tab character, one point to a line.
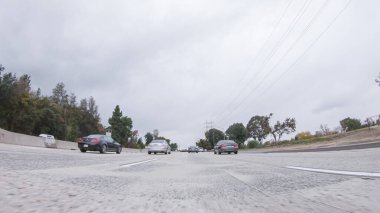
85	145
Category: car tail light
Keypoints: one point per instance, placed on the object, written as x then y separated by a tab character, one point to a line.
222	145
236	146
80	140
95	140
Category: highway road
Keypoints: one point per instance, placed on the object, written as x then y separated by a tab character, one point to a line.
50	180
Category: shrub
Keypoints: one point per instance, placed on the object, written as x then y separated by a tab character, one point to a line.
253	144
304	135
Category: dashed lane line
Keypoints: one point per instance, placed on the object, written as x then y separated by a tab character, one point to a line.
137	163
337	172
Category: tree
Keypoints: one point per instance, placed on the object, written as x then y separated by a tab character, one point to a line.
324	129
258	127
213	136
60	95
280	128
237	132
349	124
148	138
120	126
173	146
204	144
93	108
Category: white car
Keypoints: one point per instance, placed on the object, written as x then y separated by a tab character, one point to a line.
159	146
49	140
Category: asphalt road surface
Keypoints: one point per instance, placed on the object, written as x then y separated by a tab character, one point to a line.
51	180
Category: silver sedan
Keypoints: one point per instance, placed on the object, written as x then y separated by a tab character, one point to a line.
159	146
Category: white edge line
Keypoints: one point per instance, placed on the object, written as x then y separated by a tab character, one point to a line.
137	163
362	174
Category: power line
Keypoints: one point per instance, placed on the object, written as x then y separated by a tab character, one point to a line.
315	16
309	47
279	43
260	50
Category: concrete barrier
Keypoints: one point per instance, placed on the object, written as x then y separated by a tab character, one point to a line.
20	139
66	144
28	140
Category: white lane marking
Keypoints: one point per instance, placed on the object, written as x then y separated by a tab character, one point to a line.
338	172
137	163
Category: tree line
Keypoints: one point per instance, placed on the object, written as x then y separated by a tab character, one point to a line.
25	111
258	128
29	112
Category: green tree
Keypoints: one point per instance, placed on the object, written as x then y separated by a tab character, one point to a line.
148	138
60	95
120	126
349	124
173	146
140	144
204	144
213	136
237	132
258	127
280	128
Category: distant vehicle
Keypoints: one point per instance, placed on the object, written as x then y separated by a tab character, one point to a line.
183	150
227	146
101	143
193	149
159	146
49	140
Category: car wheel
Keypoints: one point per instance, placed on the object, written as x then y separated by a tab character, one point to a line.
229	153
155	153
236	153
219	152
103	149
170	153
83	150
214	153
149	153
118	151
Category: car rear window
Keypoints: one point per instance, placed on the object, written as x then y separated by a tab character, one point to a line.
94	136
158	141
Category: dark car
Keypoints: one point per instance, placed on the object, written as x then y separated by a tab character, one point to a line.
227	146
193	149
101	143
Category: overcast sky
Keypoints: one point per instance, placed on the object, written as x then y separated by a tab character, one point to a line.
173	65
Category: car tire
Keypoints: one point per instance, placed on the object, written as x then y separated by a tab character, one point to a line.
103	149
229	153
149	153
219	152
83	150
214	153
155	153
236	153
118	151
170	153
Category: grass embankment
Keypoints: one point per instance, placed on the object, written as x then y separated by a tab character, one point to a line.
359	134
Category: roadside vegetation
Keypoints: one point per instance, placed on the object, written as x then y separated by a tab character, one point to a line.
258	129
26	111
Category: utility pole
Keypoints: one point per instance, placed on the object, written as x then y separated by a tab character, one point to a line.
208	125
